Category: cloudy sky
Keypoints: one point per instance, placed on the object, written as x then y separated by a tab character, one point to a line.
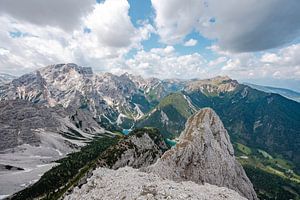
250	40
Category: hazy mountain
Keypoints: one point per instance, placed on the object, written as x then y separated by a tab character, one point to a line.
282	91
6	78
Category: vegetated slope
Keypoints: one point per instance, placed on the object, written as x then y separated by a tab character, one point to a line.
272	177
169	115
257	119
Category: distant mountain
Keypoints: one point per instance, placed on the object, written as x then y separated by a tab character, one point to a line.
6	78
115	101
282	91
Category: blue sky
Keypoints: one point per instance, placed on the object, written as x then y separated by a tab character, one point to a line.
259	42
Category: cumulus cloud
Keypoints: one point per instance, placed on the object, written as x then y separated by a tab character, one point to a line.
165	63
110	21
65	14
190	43
175	18
283	63
26	46
254	26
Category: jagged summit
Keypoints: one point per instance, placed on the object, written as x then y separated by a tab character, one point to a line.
65	68
204	154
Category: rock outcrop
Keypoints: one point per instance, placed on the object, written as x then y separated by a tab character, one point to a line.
128	183
204	154
142	148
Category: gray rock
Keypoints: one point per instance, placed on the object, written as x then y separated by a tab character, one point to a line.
204	154
128	183
136	151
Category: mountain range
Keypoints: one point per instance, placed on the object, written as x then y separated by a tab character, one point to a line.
6	78
60	108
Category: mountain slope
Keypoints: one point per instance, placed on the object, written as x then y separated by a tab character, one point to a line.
139	149
258	119
169	114
33	136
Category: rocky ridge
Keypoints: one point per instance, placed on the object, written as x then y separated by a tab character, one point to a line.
128	183
141	148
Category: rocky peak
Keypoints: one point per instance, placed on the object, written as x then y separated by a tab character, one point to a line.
204	154
67	68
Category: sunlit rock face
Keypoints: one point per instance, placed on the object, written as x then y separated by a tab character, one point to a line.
204	154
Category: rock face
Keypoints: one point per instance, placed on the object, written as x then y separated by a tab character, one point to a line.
141	148
128	183
21	122
204	154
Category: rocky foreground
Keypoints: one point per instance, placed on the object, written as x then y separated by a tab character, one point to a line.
128	183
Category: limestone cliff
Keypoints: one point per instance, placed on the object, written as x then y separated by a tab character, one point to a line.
204	154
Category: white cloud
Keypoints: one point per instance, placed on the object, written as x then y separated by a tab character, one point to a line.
239	26
111	23
281	64
190	43
65	14
175	18
112	35
165	63
270	58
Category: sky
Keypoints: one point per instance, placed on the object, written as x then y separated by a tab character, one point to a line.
251	40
